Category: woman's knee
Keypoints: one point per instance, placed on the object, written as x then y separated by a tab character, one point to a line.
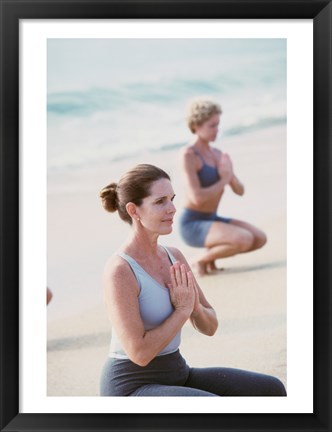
250	241
245	241
276	387
260	240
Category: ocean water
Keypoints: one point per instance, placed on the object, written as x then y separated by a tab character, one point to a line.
110	98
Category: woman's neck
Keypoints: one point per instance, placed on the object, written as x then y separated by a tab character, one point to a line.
201	144
141	244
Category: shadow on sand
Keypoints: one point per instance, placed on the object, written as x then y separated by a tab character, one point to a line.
79	342
246	269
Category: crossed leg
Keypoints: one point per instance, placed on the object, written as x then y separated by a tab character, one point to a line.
234	382
216	381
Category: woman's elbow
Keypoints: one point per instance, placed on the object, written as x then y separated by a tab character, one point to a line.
213	327
212	330
139	356
238	190
141	361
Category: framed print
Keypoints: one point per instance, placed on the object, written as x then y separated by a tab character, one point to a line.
88	89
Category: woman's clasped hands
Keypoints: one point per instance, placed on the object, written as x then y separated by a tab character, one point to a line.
225	168
183	291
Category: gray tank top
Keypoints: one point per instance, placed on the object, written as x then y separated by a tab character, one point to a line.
155	307
208	175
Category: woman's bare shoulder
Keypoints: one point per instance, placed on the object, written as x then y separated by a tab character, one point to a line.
216	152
188	152
190	160
116	266
118	275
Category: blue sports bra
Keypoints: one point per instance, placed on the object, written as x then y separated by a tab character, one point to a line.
154	304
207	175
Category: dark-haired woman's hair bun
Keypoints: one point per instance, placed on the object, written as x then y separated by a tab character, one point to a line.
133	187
109	197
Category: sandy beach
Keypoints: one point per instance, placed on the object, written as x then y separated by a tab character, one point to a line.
249	295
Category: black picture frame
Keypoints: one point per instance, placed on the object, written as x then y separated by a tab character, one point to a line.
12	11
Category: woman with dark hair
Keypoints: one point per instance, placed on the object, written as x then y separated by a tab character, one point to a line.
150	293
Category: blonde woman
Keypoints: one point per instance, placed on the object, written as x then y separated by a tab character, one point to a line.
208	172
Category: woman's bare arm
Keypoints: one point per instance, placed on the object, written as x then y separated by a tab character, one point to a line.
121	295
236	185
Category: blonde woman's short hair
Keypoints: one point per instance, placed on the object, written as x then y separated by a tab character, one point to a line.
200	110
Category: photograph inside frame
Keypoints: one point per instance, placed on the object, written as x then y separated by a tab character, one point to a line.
210	115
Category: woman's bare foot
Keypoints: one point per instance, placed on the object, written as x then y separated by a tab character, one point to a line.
211	267
199	268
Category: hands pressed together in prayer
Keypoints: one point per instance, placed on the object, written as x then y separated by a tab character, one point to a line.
225	168
183	290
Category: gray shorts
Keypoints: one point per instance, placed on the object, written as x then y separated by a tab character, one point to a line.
195	225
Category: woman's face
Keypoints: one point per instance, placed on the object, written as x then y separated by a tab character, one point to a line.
208	131
157	211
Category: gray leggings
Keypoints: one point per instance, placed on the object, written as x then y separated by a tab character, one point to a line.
169	375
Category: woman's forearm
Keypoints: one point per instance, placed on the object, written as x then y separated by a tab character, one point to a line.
205	320
236	186
147	347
